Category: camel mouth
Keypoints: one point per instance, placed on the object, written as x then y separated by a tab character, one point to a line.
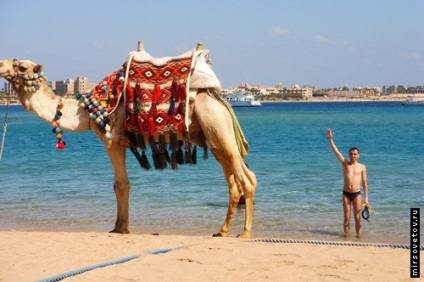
6	75
5	72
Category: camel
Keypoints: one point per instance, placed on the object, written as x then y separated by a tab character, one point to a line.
211	126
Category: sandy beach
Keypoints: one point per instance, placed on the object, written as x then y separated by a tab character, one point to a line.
31	256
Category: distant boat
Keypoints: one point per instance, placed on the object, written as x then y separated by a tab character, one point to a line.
411	101
240	100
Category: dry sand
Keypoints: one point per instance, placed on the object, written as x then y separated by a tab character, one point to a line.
31	256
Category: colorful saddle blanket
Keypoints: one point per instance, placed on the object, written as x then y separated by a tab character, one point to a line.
156	95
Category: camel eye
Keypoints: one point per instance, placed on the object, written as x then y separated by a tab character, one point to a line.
22	69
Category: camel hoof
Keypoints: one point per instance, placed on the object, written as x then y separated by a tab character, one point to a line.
125	231
220	234
244	235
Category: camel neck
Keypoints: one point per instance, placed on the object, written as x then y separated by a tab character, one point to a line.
44	104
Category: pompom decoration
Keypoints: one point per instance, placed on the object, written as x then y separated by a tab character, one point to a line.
92	106
104	92
32	82
56	129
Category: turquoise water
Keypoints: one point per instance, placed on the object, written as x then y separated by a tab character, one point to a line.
299	178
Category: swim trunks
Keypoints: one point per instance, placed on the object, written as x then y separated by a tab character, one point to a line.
350	195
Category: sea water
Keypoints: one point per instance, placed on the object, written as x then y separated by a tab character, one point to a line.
299	188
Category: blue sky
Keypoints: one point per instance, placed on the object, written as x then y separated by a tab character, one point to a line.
325	43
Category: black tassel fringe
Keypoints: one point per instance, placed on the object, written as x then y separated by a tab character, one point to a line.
194	155
140	142
160	154
155	153
187	156
132	138
135	142
173	145
163	153
144	161
205	152
139	158
180	154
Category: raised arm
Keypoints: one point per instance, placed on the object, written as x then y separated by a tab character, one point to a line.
334	147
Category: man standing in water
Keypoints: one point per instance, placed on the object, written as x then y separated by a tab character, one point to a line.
353	174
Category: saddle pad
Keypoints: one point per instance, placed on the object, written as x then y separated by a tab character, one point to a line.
155	92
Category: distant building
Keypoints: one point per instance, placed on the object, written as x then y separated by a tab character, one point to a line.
65	87
416	89
8	89
399	89
255	89
297	92
271	90
394	89
53	86
402	89
344	93
82	84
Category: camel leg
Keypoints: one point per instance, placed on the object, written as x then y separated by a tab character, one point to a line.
218	129
233	199
234	194
237	182
121	187
249	185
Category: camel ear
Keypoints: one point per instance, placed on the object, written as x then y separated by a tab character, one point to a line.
38	68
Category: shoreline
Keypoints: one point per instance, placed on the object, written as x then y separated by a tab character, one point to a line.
370	99
344	99
330	235
333	100
29	256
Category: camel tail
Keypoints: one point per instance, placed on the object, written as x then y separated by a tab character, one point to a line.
242	143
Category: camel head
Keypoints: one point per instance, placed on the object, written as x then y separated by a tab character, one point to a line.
22	74
25	76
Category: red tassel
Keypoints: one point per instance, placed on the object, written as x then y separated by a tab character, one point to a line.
140	124
153	110
181	126
138	90
174	95
130	94
155	98
156	92
181	93
151	127
174	89
60	144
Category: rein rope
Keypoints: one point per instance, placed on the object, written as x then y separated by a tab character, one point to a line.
4	128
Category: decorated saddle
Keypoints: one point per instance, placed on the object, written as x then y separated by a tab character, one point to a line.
156	94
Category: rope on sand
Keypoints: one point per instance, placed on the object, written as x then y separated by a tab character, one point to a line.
100	265
162	251
333	243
